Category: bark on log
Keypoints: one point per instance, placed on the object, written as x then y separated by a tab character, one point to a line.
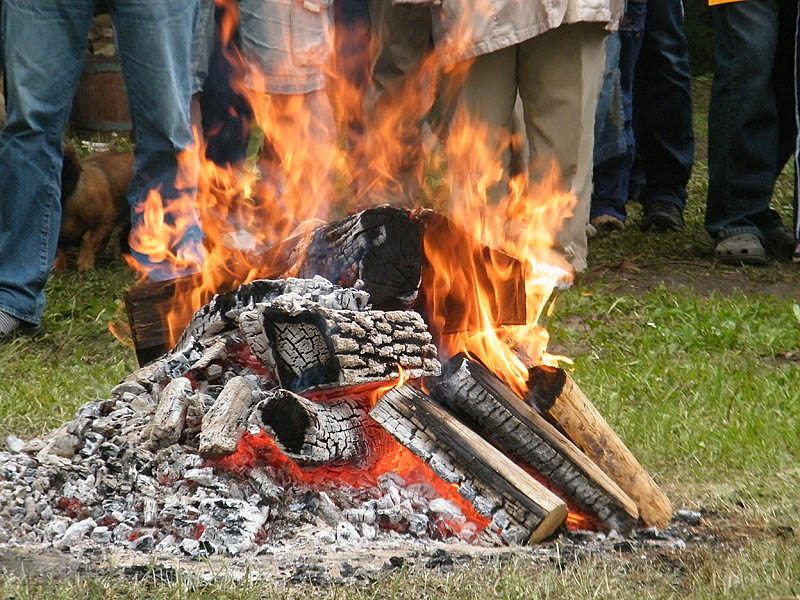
315	433
377	250
312	347
521	509
556	394
472	391
222	426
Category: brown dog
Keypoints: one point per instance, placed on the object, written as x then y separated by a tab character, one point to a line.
93	199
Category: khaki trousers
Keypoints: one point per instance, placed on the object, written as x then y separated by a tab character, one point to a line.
558	76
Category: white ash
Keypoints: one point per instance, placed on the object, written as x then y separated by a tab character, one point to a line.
127	470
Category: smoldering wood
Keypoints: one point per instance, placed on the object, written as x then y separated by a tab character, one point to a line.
479	396
312	433
521	509
377	250
170	415
223	424
556	394
313	347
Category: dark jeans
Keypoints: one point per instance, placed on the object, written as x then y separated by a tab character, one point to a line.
662	108
612	168
751	131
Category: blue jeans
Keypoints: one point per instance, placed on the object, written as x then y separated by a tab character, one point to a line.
615	145
663	107
44	46
750	120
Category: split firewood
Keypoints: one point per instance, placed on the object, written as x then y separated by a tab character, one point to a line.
315	433
556	394
471	390
222	426
521	509
170	417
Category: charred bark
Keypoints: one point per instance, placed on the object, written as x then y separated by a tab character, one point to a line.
503	418
315	433
521	509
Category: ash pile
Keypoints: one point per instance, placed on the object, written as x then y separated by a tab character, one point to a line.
213	449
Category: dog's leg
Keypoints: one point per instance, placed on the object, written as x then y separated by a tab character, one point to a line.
92	242
60	261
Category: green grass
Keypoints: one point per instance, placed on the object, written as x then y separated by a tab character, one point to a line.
695	364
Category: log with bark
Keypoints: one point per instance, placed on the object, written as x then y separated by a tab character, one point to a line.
520	508
313	433
482	399
557	395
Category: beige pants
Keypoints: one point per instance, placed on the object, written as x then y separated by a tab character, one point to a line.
558	76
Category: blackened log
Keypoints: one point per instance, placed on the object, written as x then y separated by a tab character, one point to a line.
312	433
470	389
521	509
377	250
313	347
556	394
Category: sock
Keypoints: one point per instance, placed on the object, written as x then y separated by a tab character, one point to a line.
7	323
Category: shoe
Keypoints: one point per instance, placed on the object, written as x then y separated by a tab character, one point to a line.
796	254
662	215
607	223
741	249
11	327
780	242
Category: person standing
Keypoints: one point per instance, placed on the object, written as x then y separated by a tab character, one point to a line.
44	44
662	118
551	53
751	127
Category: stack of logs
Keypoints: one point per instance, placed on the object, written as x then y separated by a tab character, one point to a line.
521	462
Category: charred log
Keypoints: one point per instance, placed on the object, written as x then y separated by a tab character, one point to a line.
313	347
504	419
556	394
521	509
315	433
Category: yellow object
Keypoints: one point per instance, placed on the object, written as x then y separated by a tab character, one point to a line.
715	2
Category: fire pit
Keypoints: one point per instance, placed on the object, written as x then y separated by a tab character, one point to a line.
297	407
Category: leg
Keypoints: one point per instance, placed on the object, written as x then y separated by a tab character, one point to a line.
397	101
560	76
663	87
612	175
743	119
53	37
487	97
155	42
92	242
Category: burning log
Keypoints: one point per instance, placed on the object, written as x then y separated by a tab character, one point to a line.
315	433
556	394
470	389
521	509
384	252
222	426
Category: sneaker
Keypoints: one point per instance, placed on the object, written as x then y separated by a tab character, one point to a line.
662	215
780	242
11	327
607	223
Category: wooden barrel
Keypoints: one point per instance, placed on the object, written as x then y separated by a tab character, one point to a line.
101	103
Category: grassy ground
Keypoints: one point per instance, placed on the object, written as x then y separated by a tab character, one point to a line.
695	364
